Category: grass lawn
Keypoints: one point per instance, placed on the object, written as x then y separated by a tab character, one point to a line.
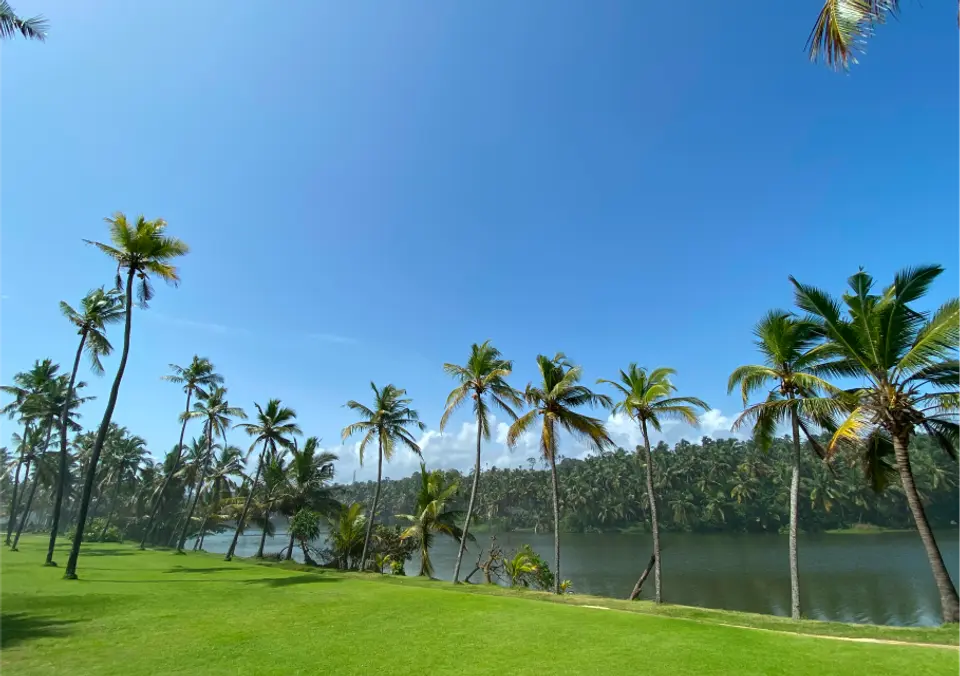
155	612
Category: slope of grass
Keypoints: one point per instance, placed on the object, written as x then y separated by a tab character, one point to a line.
155	612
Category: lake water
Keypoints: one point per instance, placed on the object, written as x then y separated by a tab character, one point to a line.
881	578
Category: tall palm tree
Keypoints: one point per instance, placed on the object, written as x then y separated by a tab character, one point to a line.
788	346
217	413
309	475
431	516
646	398
274	429
195	378
140	249
386	422
98	309
482	379
228	464
554	401
26	385
34	28
906	362
843	27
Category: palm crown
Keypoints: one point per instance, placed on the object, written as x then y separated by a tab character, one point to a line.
646	397
216	411
142	249
274	426
34	28
431	515
98	309
386	422
484	374
195	377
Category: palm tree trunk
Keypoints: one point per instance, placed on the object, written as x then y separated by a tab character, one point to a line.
373	509
263	533
290	547
794	517
196	497
473	497
949	605
62	474
246	507
654	523
71	572
113	504
556	523
198	545
16	485
26	511
166	480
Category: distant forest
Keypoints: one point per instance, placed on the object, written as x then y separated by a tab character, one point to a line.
716	485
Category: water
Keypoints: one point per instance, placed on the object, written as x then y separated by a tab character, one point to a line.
881	578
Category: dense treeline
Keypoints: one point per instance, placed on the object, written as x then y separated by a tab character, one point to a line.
716	485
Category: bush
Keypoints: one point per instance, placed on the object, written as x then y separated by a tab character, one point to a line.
95	528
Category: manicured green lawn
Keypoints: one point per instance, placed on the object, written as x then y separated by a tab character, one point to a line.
157	613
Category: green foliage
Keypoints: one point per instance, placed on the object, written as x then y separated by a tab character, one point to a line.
95	531
431	516
305	526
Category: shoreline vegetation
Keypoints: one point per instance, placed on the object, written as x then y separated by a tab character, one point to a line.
142	602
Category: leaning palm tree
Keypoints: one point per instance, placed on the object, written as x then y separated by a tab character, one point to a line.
386	422
195	379
216	412
431	516
26	386
907	363
555	401
309	475
646	398
140	249
483	380
273	430
228	464
788	345
34	28
98	309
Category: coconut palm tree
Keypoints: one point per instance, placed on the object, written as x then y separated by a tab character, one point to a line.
431	516
195	378
227	465
140	250
217	413
98	309
128	454
308	477
26	386
789	371
273	430
273	491
483	380
646	398
346	528
906	362
386	422
34	28
554	402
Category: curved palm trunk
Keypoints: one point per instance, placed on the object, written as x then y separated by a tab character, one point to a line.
949	605
654	523
26	513
62	473
113	504
246	508
263	533
198	545
473	497
16	485
71	572
290	548
166	480
794	518
199	490
556	523
373	509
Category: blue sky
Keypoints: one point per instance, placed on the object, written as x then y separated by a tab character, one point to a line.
370	187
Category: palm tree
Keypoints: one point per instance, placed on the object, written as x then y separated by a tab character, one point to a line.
346	529
98	309
483	377
790	358
273	491
275	428
431	515
128	455
309	475
554	401
34	28
646	398
228	464
216	412
194	378
142	249
386	422
26	385
907	363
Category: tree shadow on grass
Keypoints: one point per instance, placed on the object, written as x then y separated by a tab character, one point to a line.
212	569
105	552
18	628
306	578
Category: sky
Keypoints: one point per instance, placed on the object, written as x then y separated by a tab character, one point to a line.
368	188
